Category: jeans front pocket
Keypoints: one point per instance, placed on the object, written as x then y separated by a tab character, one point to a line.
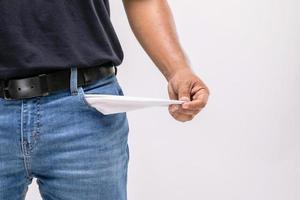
109	86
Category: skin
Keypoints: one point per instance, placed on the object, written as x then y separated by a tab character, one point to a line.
153	25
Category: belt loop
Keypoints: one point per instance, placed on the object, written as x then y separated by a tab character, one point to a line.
116	70
73	81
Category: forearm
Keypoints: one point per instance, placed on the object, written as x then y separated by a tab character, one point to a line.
153	25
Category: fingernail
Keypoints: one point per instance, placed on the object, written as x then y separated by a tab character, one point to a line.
184	99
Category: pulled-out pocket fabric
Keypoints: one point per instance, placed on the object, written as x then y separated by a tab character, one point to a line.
108	85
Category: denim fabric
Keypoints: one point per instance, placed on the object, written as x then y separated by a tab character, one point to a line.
74	151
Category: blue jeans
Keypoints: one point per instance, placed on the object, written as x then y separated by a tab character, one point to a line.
74	151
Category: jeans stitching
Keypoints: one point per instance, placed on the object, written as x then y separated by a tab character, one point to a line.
26	164
83	100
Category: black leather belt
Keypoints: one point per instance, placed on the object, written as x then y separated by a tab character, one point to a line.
45	84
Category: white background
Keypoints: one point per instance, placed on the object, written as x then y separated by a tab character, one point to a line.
246	144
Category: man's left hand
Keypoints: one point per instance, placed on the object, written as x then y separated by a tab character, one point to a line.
185	85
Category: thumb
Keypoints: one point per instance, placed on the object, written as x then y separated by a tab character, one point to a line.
184	93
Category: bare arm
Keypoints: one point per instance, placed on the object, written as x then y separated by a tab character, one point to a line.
153	25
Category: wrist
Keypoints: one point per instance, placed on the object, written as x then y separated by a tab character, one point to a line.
177	70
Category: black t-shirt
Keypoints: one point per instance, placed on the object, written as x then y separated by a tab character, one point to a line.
40	36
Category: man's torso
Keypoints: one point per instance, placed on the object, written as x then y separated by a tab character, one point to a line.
39	36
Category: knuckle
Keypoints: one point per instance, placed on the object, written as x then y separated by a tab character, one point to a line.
190	117
196	112
203	104
173	114
187	118
184	120
207	91
180	117
176	115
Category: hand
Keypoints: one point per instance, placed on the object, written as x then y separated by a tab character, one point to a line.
185	85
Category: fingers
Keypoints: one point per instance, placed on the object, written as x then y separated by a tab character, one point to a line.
180	110
188	110
182	114
199	101
195	93
183	117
